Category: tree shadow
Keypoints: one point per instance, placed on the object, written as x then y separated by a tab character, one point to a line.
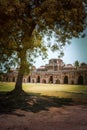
30	102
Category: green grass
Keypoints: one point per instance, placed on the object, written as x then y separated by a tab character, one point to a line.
41	96
66	91
6	86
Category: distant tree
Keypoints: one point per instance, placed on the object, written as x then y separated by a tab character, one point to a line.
76	64
23	23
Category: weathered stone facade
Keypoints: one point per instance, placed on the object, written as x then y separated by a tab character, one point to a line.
54	72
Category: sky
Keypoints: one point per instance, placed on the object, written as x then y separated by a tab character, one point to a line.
77	50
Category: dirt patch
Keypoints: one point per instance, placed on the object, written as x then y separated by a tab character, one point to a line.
42	113
62	118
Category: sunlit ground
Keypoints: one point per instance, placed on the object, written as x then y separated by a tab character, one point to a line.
57	90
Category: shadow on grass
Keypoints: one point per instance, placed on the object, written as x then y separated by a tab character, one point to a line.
30	102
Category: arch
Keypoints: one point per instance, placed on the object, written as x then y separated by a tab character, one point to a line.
80	80
13	79
72	81
43	81
38	79
24	80
51	79
66	80
7	79
32	80
57	81
29	79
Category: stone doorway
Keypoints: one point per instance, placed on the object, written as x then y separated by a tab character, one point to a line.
29	79
51	79
66	80
43	81
80	80
57	81
13	79
38	79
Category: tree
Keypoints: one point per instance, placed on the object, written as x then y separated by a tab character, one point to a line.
23	23
76	64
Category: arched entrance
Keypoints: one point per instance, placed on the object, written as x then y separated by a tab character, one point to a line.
51	79
38	79
32	80
24	80
7	79
66	80
13	79
29	79
72	82
80	80
57	81
43	81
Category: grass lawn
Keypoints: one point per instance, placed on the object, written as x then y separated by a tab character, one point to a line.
41	96
56	90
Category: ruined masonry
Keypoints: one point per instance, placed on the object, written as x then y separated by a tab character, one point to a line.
54	72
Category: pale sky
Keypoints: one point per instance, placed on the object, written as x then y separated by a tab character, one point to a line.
77	50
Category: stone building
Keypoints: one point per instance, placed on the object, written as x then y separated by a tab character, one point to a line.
54	72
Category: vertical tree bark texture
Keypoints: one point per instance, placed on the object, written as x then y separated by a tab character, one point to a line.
21	72
18	85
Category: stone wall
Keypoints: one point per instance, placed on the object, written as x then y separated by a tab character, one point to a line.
55	72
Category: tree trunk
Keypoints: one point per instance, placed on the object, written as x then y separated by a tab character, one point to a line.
18	85
17	91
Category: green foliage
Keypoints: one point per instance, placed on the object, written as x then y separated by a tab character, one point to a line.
23	23
77	63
